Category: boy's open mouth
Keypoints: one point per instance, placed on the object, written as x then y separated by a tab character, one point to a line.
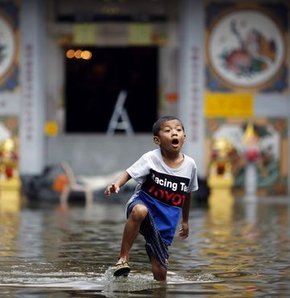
175	142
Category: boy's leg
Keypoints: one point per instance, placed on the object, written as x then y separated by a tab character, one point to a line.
131	230
159	272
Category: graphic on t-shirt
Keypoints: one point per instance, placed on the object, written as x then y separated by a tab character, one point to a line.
171	190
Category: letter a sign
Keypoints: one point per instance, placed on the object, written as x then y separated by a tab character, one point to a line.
120	119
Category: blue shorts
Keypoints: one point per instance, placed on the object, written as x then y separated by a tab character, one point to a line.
154	245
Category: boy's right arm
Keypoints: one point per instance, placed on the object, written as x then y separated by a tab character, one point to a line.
115	187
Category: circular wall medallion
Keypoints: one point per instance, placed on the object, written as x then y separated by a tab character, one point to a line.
7	48
245	48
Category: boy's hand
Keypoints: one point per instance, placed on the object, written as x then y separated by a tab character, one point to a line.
184	230
113	188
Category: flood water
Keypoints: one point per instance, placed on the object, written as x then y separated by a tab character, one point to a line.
239	250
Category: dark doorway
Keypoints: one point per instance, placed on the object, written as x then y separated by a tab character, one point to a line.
93	86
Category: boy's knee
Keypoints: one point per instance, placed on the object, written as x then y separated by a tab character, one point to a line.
139	212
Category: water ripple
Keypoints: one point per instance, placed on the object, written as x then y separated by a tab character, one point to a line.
70	254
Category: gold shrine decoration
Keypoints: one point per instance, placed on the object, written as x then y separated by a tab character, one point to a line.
228	105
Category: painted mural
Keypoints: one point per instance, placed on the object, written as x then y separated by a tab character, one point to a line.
8	46
246	47
260	142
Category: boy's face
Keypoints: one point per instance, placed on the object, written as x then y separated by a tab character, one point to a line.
171	135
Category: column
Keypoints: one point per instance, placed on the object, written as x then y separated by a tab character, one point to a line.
191	77
32	99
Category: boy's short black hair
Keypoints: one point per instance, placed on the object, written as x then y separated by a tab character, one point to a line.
157	124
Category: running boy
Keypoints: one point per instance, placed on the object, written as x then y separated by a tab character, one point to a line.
166	177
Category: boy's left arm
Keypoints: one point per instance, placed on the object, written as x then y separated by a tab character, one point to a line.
184	230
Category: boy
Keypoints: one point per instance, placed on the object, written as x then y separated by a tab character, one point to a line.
165	177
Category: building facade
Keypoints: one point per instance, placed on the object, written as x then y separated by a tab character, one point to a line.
220	66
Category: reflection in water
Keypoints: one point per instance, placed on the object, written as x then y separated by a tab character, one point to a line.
10	200
247	244
9	225
9	217
236	249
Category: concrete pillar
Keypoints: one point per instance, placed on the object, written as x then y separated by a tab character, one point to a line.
32	99
191	77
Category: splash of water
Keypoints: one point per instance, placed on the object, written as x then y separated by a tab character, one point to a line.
134	282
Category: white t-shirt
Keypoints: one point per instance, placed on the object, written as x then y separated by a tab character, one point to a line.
163	189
